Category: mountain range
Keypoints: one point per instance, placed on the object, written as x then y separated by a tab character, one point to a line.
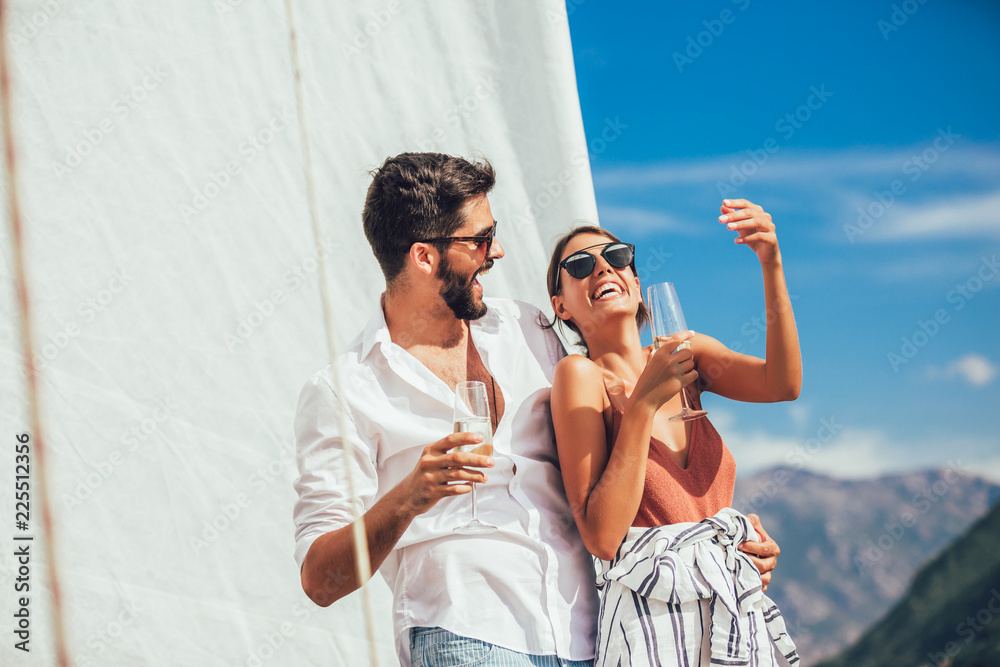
950	616
850	548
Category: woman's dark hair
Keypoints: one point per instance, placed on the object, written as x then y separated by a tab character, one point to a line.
554	284
417	196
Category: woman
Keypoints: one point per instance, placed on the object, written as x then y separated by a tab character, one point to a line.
628	470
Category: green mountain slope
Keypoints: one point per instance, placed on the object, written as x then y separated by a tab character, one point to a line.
850	548
950	617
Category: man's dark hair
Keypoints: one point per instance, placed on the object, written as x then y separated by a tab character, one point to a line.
419	196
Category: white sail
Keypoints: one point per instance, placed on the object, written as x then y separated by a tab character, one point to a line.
175	296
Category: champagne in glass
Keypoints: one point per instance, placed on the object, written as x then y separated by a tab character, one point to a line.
472	415
666	319
478	426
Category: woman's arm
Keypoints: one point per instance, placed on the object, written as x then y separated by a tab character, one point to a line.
604	491
777	377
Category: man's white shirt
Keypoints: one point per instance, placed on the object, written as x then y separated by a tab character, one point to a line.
529	586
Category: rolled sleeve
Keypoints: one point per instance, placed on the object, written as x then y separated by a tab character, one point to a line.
324	500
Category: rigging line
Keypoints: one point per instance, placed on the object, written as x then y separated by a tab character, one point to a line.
361	556
48	529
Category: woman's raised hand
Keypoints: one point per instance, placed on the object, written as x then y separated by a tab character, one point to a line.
754	225
668	371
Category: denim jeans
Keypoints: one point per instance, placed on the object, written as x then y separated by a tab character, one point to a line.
436	647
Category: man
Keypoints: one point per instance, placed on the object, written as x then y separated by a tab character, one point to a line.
523	595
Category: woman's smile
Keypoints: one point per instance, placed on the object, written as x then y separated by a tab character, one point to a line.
606	290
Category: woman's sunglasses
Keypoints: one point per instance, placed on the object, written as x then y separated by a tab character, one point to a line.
581	264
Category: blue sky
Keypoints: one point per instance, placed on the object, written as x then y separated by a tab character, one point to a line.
871	132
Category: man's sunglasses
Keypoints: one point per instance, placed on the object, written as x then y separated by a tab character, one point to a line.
486	238
581	264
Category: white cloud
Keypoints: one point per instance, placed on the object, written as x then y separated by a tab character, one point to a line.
798	167
858	453
945	217
852	452
798	413
953	196
975	369
636	219
989	469
936	265
782	166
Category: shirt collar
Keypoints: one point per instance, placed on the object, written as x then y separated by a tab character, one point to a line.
377	331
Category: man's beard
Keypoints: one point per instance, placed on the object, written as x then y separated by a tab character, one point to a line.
459	295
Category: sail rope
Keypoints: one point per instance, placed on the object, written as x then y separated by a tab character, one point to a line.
361	556
37	437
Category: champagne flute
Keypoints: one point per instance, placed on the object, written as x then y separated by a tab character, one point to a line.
666	319
472	415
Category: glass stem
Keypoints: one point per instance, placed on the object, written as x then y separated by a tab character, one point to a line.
475	514
684	401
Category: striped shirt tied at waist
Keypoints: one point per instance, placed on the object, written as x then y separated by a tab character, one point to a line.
684	595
